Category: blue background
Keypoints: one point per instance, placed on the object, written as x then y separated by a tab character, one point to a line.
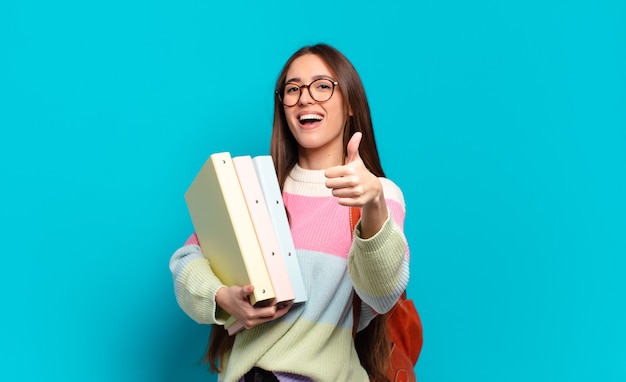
503	122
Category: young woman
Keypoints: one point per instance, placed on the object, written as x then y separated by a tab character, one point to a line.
326	160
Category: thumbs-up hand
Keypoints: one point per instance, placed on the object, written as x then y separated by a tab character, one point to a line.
353	147
354	185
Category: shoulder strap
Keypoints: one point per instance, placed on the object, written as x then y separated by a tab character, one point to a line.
355	215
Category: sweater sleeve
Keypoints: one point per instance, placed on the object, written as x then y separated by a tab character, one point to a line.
195	285
379	265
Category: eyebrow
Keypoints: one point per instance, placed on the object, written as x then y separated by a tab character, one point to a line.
317	77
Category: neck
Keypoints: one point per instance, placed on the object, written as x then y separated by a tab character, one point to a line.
321	157
318	159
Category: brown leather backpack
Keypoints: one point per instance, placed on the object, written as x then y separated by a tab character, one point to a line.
403	329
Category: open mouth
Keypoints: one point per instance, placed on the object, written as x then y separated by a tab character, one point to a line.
306	119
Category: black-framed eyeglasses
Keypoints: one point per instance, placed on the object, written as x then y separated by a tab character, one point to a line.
321	90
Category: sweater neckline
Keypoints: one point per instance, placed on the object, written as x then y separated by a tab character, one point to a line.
300	174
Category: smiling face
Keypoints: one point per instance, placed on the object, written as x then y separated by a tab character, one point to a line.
316	126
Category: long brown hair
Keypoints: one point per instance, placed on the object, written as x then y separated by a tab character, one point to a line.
372	343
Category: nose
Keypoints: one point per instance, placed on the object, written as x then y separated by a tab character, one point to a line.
305	96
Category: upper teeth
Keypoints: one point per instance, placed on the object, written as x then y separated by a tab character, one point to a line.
311	116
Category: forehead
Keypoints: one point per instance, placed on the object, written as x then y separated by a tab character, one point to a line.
307	68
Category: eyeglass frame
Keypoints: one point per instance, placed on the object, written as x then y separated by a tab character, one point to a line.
308	87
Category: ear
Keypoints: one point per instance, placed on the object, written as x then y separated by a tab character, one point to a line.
350	111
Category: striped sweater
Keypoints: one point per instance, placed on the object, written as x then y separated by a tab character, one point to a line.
313	341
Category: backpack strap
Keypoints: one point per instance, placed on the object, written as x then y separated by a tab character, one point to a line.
355	215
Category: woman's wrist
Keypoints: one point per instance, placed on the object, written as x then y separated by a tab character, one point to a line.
373	216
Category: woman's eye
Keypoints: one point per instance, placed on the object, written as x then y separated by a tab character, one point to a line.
323	86
291	89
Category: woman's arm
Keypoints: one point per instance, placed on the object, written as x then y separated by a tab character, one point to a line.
205	299
379	265
196	286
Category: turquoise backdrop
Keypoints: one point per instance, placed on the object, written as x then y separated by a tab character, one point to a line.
504	122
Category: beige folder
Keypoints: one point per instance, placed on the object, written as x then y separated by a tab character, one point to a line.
224	228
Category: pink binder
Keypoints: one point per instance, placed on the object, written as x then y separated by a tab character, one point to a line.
268	240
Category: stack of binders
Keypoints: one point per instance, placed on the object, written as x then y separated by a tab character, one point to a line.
240	220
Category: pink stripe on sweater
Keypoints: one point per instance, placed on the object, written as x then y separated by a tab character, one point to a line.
193	239
307	213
